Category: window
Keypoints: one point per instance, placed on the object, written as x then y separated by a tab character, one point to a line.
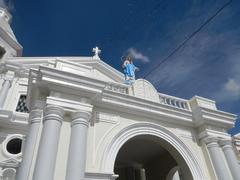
22	104
14	146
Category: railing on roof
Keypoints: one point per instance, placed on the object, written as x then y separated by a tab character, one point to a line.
163	98
174	101
123	89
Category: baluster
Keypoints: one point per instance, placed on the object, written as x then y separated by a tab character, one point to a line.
184	105
175	103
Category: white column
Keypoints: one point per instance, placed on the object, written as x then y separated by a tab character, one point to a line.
217	158
142	174
47	153
4	91
77	149
34	123
231	158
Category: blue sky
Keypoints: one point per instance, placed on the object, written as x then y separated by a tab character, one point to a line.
208	66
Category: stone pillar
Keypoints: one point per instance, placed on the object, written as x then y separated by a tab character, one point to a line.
77	149
231	158
217	158
4	91
47	151
34	123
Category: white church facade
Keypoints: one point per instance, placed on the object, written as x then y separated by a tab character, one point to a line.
73	118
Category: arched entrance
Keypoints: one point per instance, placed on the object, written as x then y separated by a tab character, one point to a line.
145	157
165	145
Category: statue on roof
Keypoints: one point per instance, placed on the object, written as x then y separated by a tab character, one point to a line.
129	70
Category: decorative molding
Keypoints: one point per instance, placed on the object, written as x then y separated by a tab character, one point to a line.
8	173
11	162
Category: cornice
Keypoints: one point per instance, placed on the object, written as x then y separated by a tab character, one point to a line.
213	117
55	79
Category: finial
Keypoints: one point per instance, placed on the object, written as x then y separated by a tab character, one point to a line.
97	51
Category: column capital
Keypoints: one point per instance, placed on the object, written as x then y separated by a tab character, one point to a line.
52	112
226	143
35	116
37	104
211	141
81	117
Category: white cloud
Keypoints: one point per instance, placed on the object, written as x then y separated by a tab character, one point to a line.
233	87
230	91
138	55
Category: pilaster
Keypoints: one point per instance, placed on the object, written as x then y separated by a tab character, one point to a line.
35	118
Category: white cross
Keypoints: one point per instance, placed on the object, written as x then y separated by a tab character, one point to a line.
97	51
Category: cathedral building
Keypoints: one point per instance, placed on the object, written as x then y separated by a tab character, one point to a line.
73	118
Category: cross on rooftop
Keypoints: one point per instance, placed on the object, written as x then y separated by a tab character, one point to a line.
97	51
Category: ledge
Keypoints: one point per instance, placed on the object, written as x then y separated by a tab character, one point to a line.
13	120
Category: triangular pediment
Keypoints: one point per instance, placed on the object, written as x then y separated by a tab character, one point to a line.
96	69
86	66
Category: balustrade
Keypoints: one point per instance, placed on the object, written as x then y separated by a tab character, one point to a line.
174	101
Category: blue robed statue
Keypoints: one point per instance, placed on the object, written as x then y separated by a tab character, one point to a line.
129	70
